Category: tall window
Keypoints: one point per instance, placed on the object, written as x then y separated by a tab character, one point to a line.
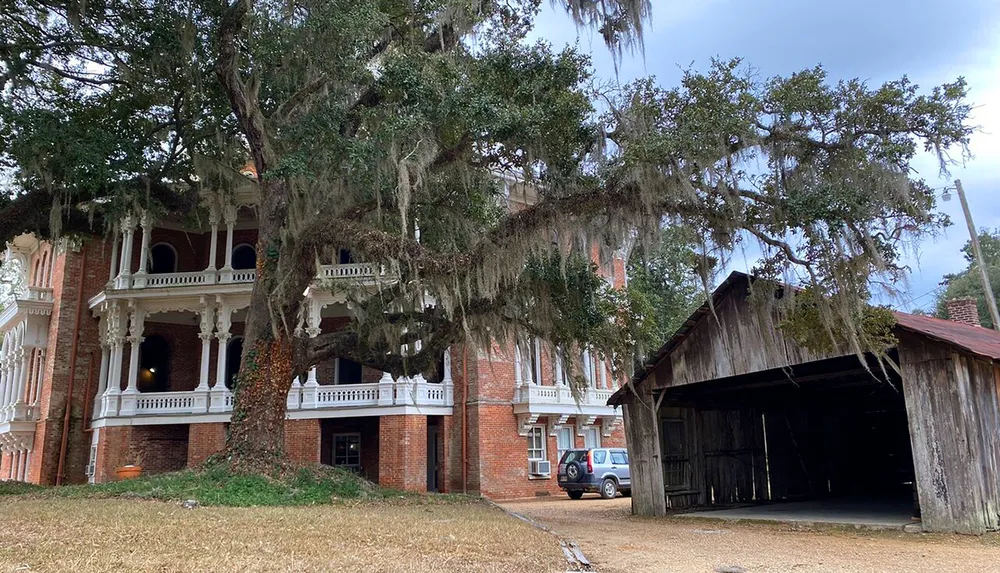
347	450
528	360
162	259
564	441
348	371
536	443
591	438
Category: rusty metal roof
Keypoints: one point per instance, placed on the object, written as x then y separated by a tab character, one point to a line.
984	342
973	339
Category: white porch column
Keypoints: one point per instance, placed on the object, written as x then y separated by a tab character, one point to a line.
449	384
21	369
114	257
4	375
310	390
39	371
201	400
213	249
125	263
130	395
229	216
102	378
219	392
140	275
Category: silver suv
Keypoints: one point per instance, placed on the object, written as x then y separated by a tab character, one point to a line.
601	470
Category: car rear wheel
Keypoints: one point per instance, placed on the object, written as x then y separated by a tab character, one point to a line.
573	471
609	489
574	494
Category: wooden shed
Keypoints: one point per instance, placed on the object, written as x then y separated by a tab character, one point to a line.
729	411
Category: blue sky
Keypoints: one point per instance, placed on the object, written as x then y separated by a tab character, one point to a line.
931	41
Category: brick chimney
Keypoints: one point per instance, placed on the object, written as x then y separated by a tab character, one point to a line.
963	310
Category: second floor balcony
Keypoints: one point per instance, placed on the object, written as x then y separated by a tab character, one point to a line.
207	277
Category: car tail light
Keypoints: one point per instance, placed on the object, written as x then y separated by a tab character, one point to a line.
590	462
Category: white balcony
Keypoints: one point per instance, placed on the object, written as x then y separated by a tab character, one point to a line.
560	398
143	281
388	396
558	404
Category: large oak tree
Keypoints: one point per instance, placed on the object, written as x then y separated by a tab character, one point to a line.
388	127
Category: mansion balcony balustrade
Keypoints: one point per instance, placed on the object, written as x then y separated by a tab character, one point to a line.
143	281
310	400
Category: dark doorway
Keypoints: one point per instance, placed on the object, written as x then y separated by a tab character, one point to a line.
234	353
244	258
433	453
154	365
344	257
162	259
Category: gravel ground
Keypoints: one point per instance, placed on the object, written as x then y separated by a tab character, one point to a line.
614	541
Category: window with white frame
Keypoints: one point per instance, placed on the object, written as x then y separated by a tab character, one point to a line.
564	441
591	438
536	444
347	450
528	361
560	367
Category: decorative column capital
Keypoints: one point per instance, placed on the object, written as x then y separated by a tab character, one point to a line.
213	214
145	220
229	214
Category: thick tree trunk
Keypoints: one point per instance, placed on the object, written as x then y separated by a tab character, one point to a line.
257	429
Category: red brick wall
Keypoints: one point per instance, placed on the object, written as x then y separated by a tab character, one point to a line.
68	267
5	460
368	428
302	441
403	452
112	450
160	448
205	440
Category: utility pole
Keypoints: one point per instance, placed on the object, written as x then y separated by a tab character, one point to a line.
991	301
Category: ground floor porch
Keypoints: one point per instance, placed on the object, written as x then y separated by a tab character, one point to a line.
407	452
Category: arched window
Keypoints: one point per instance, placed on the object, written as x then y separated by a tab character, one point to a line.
234	352
154	365
244	257
162	259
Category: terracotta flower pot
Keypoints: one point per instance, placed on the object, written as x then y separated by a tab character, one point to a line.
128	472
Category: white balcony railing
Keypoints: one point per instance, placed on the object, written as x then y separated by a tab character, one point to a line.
560	395
348	271
175	279
414	392
353	271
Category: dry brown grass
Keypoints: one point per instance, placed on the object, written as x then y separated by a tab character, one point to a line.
85	536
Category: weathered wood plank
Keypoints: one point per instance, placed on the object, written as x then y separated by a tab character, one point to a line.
948	401
642	437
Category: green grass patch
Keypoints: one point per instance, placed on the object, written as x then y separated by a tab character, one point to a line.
217	486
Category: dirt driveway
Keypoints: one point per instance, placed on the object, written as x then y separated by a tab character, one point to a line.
614	541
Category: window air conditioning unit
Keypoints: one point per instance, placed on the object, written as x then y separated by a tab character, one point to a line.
541	468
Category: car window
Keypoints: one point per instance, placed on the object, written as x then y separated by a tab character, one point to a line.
573	456
618	458
600	456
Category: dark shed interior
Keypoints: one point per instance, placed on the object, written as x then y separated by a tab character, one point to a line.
827	429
